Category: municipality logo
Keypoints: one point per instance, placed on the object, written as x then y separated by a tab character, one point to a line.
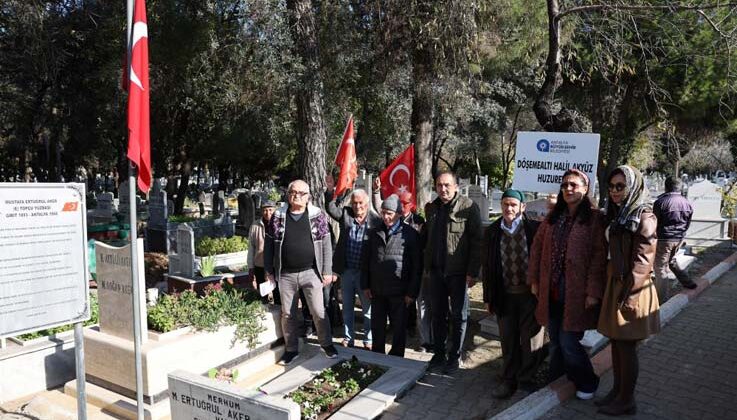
543	145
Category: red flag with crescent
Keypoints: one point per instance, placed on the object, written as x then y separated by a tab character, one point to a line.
399	178
139	141
346	160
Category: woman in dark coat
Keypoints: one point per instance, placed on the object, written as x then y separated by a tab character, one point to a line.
630	308
567	270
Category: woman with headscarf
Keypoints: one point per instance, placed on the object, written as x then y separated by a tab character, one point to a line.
630	306
567	271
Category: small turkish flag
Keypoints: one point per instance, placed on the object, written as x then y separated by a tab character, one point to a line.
346	160
399	178
139	141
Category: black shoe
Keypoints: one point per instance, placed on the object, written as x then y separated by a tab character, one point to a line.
426	348
437	361
689	285
452	366
503	391
529	387
288	357
330	351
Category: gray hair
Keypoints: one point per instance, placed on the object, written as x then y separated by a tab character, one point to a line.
359	191
291	184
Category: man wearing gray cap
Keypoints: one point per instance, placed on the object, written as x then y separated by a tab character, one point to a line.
390	275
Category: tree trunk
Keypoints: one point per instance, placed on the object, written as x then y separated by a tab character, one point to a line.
422	127
311	137
564	120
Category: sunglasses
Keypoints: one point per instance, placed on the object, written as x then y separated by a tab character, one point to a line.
573	185
617	187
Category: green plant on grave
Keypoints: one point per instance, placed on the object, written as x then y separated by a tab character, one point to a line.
274	195
207	267
212	246
94	319
729	201
219	306
178	218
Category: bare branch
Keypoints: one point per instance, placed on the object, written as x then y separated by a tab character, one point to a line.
711	22
670	8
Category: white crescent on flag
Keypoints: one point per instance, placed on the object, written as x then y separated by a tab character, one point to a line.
140	30
399	167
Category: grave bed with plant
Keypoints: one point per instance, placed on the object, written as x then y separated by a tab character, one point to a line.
332	388
219	305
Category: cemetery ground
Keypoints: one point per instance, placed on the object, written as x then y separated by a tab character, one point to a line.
464	395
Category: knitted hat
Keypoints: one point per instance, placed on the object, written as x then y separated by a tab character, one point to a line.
392	203
514	194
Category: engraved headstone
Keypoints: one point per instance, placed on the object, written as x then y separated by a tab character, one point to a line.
183	264
201	207
157	206
194	397
105	207
124	199
496	201
217	204
115	290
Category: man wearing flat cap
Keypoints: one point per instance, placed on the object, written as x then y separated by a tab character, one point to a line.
505	249
390	275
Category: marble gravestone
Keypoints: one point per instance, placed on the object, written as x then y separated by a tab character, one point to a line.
105	206
476	194
496	201
708	227
706	199
115	290
158	206
182	263
195	397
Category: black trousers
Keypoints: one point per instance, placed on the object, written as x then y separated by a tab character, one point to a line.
442	289
517	328
395	309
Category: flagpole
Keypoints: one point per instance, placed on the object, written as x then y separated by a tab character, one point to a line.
134	246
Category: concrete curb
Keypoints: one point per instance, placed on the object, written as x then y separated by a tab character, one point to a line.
537	404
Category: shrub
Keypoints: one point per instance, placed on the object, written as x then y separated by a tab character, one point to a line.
218	307
208	266
211	246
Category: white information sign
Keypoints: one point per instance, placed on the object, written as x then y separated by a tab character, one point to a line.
43	256
543	157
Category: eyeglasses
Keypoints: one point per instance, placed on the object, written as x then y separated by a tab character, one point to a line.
299	194
617	187
572	185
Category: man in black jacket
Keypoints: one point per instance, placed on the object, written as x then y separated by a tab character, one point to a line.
505	253
390	275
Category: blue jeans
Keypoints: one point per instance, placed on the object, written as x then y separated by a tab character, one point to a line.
350	283
441	288
567	355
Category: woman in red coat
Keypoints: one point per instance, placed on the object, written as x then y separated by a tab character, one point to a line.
567	272
630	308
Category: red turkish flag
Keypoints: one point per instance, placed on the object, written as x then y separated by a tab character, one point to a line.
139	141
346	160
399	178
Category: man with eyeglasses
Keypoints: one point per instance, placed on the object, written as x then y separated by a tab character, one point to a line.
298	255
452	237
674	213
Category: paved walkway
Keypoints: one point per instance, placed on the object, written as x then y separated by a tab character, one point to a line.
689	370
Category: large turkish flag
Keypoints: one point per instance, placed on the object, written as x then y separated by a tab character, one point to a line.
139	141
399	178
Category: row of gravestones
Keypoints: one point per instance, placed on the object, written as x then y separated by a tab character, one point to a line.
107	208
